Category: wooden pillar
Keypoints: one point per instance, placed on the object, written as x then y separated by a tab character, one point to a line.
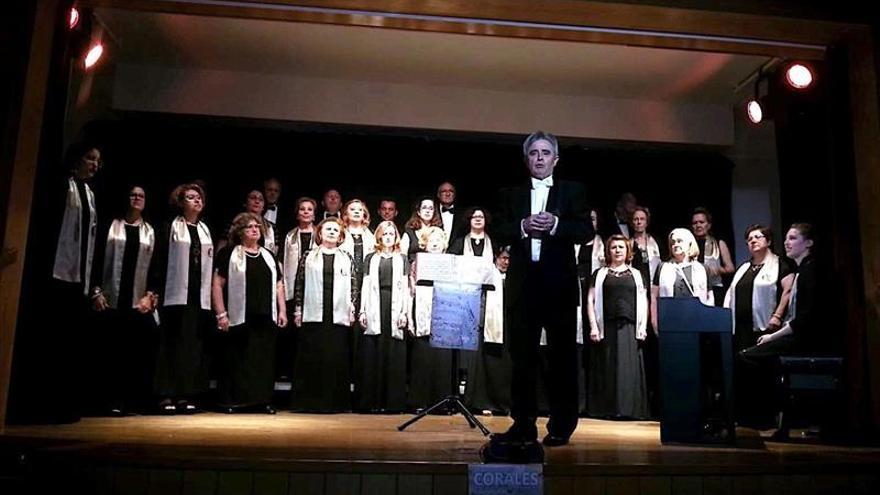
22	177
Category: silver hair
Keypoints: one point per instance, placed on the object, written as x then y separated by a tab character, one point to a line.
537	136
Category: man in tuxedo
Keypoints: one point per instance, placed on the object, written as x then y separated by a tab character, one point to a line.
623	212
272	212
542	220
332	203
446	198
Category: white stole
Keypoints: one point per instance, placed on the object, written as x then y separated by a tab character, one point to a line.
269	238
313	298
493	326
712	259
177	274
488	253
114	252
698	282
641	303
236	284
424	304
292	252
763	292
400	295
68	251
367	238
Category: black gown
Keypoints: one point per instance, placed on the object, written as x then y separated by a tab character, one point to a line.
322	377
617	373
127	340
488	385
181	363
285	355
247	351
381	373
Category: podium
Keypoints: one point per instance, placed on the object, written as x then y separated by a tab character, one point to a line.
696	372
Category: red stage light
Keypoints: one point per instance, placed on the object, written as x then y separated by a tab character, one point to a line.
93	55
74	17
798	76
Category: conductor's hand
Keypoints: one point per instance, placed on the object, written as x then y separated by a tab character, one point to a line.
537	224
363	321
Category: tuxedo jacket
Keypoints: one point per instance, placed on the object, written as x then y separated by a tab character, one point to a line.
565	200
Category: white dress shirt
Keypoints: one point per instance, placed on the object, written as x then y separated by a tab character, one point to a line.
539	193
271	214
448	217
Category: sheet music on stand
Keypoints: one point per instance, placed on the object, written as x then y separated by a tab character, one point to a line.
458	283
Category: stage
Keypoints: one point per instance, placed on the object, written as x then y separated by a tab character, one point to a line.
354	453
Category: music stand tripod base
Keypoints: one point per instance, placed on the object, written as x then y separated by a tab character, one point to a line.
455	403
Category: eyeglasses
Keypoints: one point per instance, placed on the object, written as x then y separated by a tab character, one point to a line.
137	195
755	237
252	226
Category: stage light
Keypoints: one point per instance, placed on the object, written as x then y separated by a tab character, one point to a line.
798	76
754	111
74	18
93	55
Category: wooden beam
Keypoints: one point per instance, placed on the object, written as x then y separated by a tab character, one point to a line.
24	169
576	21
865	111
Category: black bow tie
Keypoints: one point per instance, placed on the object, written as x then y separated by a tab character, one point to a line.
447	209
271	208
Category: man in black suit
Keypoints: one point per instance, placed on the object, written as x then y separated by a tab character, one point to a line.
272	212
542	221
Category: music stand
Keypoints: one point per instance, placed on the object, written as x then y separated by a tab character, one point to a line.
452	402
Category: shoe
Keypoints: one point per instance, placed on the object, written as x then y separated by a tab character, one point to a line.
185	407
554	440
167	408
116	412
269	410
516	434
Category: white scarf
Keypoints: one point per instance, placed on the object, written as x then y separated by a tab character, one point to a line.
493	326
668	272
68	251
641	303
313	298
712	259
763	292
113	255
269	238
400	295
292	253
236	284
367	238
423	306
487	248
177	275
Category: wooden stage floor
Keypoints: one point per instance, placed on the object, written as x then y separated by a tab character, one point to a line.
435	446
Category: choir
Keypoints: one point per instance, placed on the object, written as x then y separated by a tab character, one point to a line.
177	313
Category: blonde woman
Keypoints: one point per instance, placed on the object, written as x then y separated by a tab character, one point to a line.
682	275
431	367
384	318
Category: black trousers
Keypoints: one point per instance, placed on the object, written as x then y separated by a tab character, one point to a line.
545	304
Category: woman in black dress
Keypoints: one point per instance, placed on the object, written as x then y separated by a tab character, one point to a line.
248	299
758	299
617	307
297	244
184	275
384	315
126	304
324	299
759	293
359	242
714	253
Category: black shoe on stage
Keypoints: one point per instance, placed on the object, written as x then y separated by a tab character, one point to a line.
554	440
518	445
